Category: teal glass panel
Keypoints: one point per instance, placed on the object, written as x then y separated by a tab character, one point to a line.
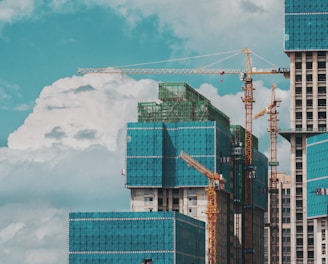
306	24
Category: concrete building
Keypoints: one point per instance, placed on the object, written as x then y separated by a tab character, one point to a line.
284	225
305	43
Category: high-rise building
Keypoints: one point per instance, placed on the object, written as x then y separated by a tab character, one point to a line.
306	44
184	120
283	223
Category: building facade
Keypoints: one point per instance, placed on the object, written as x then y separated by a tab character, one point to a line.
125	237
317	194
183	120
284	224
306	45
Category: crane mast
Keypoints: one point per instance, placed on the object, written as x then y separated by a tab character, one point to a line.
216	182
248	101
273	180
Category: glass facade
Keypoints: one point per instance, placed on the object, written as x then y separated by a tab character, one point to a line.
153	150
260	182
317	176
306	25
124	237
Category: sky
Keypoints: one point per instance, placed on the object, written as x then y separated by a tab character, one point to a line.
62	134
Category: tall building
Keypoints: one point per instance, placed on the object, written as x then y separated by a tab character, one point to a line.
317	194
184	120
283	213
260	183
305	43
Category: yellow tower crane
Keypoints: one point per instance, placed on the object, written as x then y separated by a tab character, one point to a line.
272	111
248	100
216	182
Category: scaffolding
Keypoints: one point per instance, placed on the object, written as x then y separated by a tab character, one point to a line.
180	102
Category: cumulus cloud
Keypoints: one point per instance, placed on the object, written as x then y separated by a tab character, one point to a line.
66	157
10	10
89	110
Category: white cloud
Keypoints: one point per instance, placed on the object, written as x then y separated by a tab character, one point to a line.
10	231
214	25
15	9
68	155
82	111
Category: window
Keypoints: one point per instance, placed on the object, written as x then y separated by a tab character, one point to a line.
309	65
298	115
322	115
298	153
310	241
323	235
298	140
321	77
309	102
298	90
299	229
309	77
309	90
321	65
299	191
298	178
299	165
322	102
322	89
299	216
309	115
298	103
323	249
298	78
299	254
298	65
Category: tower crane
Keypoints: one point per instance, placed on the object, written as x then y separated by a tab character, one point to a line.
272	111
216	182
248	100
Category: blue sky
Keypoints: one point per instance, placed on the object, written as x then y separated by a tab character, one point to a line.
63	135
36	51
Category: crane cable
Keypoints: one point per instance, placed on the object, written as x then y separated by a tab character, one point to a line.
179	59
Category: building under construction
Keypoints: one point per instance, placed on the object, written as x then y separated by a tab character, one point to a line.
171	196
184	120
